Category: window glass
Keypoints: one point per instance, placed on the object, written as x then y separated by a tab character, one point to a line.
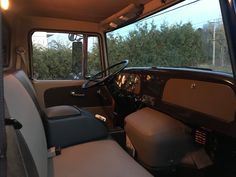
60	56
94	62
189	34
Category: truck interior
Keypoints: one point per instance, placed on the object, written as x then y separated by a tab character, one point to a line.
132	88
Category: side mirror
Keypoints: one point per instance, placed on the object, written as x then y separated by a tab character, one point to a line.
77	55
72	37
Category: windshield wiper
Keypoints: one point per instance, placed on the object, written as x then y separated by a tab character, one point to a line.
194	67
187	67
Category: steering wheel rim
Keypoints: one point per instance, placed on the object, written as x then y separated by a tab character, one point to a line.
98	81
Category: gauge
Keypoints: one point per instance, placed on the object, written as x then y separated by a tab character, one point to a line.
129	82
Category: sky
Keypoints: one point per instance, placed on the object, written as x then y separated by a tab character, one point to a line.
198	12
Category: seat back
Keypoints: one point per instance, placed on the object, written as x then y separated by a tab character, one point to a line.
22	108
24	80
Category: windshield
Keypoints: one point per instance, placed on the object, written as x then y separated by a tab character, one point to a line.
189	34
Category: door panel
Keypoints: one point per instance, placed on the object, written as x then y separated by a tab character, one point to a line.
74	95
59	92
42	85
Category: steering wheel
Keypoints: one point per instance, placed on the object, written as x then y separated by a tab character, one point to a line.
96	80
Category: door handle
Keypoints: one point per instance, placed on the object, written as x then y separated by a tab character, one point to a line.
77	94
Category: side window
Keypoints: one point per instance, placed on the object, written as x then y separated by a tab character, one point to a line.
61	56
94	62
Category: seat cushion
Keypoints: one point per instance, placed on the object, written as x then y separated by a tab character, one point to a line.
68	131
99	158
61	111
160	140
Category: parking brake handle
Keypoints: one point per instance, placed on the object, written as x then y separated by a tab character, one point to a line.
100	117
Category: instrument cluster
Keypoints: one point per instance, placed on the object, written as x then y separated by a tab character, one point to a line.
145	87
130	82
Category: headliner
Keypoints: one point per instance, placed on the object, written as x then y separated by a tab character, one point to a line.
82	10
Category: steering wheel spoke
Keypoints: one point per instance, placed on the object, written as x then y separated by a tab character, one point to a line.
95	80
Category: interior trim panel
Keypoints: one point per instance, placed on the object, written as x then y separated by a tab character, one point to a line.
217	100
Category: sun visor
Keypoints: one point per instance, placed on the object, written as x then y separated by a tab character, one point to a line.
129	13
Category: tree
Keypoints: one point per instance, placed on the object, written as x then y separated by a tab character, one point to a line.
53	62
94	63
222	58
176	45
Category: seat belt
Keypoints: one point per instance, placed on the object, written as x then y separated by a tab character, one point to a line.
19	159
21	60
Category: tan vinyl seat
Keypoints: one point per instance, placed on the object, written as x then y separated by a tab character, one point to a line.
160	140
98	158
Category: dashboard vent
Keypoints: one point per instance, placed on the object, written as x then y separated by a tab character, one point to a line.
200	136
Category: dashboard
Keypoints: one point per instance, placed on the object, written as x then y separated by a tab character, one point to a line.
144	87
200	98
129	82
